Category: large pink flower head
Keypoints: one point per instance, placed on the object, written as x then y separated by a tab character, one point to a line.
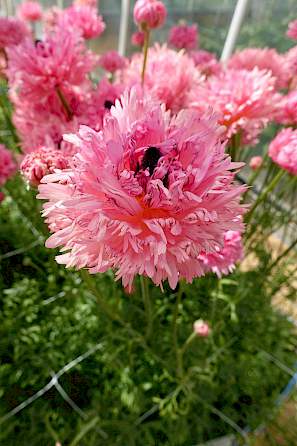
164	64
292	30
12	31
43	161
283	150
7	164
146	195
264	59
112	61
83	19
245	101
206	62
61	61
222	262
183	36
287	113
30	11
149	13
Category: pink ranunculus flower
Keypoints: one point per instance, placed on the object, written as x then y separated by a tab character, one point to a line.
7	164
223	260
283	150
292	30
183	36
41	162
137	38
201	328
244	100
256	162
83	19
150	13
60	61
164	64
145	195
12	31
30	10
206	62
287	110
112	61
264	59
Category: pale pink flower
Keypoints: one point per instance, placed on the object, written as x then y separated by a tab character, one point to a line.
112	61
183	36
164	64
30	10
264	59
223	260
287	113
244	100
256	162
61	61
137	38
283	150
7	164
150	13
12	31
145	195
201	328
292	30
43	161
83	19
206	62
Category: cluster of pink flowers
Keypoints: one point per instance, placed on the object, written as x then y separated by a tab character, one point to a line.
146	195
184	36
283	150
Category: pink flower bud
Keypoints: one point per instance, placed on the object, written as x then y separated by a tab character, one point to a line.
256	162
201	328
151	13
30	10
137	38
112	61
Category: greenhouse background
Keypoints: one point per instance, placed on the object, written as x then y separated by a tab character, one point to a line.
85	361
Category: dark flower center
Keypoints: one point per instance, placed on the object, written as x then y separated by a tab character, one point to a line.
37	41
108	104
150	159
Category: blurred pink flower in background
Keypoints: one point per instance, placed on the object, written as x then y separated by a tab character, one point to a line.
201	328
137	38
30	11
256	162
112	61
206	62
145	195
7	164
164	64
291	66
264	59
83	19
149	13
222	262
12	31
183	36
41	162
292	30
287	110
244	100
2	196
50	18
283	150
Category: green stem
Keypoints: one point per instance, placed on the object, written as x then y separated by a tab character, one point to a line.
174	326
281	256
146	31
234	146
181	352
65	105
9	123
264	194
147	306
